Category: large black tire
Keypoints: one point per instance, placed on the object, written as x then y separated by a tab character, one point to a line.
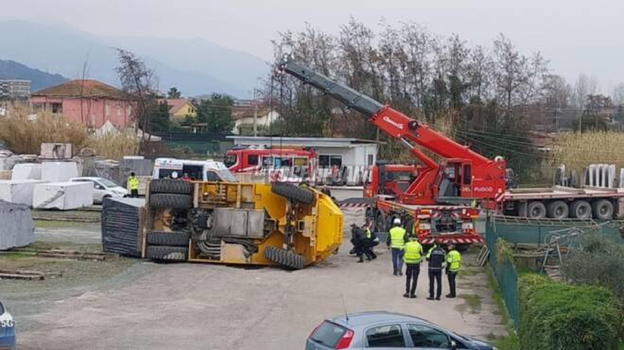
172	239
602	209
581	209
293	193
536	210
558	210
171	201
285	258
170	186
166	253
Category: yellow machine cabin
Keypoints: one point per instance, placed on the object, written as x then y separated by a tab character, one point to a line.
236	223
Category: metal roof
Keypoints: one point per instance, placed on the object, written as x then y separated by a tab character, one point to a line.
308	141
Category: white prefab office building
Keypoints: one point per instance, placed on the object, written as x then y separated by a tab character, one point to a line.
353	156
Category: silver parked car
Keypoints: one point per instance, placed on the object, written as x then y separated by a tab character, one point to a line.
387	330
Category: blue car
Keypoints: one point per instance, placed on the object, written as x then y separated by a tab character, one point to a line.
7	330
387	330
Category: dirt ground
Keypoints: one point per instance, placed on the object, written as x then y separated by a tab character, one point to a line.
133	304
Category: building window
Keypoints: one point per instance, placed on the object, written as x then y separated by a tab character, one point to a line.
57	108
370	159
329	160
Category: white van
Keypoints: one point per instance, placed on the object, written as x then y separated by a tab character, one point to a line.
200	170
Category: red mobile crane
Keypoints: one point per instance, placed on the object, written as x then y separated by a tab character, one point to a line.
461	177
425	204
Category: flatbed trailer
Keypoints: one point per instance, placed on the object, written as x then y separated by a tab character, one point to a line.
561	202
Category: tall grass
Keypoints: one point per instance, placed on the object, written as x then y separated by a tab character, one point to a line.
114	145
23	133
578	150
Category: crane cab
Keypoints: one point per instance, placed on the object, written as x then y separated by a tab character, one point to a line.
455	180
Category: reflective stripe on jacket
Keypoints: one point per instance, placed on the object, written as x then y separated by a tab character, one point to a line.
413	252
453	258
397	237
133	183
436	257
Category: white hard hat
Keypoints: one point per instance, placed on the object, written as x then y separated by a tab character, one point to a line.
397	221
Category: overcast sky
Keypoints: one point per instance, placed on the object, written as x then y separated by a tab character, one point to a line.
576	35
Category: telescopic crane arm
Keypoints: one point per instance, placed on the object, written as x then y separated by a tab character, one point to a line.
389	120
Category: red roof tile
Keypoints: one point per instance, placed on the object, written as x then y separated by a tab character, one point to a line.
82	88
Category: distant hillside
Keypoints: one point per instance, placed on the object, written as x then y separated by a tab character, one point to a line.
40	80
194	66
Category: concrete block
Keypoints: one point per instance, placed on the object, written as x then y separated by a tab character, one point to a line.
26	171
58	171
56	150
63	195
17	225
18	191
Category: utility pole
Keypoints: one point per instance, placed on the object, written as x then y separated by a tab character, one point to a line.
255	122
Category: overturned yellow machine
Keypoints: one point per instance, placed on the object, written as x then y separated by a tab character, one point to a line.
238	223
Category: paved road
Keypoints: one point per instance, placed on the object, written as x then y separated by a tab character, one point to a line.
195	306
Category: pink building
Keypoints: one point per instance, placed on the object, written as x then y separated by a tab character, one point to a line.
89	102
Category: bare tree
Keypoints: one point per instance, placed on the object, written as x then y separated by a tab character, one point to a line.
138	82
510	68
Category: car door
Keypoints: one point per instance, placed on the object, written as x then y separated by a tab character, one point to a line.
387	336
99	191
424	337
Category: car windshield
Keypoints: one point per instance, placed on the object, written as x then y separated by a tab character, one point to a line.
107	183
328	334
226	175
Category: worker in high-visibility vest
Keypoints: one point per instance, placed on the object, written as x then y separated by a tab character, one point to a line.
371	240
453	264
412	256
133	185
396	242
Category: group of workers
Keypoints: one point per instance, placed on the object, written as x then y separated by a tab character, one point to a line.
407	249
363	240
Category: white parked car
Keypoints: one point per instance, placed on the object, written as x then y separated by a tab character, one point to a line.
103	188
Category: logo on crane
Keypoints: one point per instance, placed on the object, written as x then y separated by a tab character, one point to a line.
389	120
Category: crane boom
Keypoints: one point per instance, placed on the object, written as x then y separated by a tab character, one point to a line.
478	176
351	98
389	120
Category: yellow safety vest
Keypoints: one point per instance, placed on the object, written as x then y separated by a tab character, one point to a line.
413	252
453	258
133	183
368	233
397	237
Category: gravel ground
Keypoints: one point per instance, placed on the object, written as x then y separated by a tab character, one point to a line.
133	304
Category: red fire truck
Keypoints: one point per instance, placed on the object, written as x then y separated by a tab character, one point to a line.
279	164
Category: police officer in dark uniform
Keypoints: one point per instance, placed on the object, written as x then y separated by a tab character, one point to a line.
436	256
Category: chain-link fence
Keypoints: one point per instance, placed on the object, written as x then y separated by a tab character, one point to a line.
505	273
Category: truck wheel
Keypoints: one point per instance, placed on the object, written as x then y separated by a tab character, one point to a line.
170	186
171	201
558	210
581	209
173	239
602	209
285	258
536	210
166	253
293	193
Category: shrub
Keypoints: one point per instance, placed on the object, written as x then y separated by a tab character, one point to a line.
556	316
600	262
